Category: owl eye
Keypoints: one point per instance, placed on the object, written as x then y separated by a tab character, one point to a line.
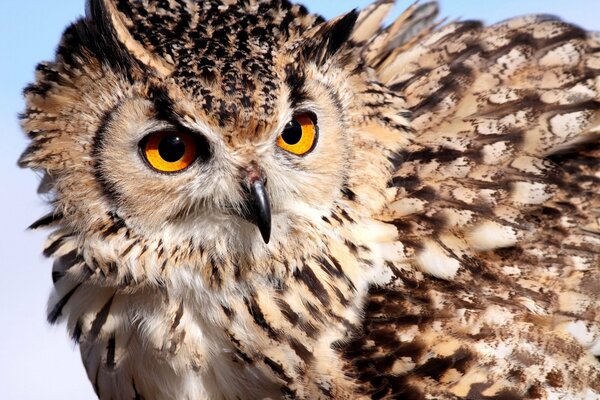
168	151
300	135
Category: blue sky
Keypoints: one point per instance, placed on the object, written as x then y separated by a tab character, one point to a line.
38	361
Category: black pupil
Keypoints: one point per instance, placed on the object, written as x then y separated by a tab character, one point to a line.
171	148
292	133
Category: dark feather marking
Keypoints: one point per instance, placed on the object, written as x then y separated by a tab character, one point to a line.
163	266
338	266
346	216
238	351
396	159
336	97
191	247
46	220
301	351
58	307
215	273
349	326
128	249
62	264
338	219
442	154
51	249
100	319
515	137
237	272
164	105
57	276
309	329
228	311
277	368
307	275
112	268
68	260
126	279
114	228
295	81
547	43
410	183
400	86
77	331
465	26
313	311
343	301
28	159
296	320
144	250
329	268
259	318
451	86
348	193
437	366
287	311
108	188
288	393
110	353
243	356
533	102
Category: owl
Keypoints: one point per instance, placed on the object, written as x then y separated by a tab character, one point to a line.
249	201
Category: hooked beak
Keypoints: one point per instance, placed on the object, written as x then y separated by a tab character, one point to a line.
258	206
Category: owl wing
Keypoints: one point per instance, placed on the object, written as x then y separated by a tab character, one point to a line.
497	205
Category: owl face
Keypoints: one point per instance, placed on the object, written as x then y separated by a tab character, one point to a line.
224	134
184	174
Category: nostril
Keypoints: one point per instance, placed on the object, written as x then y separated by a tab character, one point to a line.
254	174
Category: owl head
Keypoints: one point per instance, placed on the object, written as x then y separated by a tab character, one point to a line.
217	127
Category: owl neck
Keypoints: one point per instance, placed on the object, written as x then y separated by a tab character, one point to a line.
267	314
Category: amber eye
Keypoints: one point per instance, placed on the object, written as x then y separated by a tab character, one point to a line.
169	151
300	135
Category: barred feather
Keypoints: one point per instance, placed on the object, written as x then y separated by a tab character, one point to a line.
497	195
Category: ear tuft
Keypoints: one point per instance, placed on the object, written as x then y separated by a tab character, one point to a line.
112	24
339	33
330	37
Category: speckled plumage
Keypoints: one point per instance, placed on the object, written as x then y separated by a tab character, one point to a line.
441	241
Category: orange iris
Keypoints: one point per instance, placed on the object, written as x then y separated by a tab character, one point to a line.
169	151
299	136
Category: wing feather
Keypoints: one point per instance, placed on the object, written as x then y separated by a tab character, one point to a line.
497	203
489	105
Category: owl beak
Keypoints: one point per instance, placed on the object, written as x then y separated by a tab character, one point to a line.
259	207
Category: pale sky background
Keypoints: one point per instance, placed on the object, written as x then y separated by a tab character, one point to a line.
38	361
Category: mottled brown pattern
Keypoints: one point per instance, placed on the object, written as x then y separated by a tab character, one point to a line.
442	240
